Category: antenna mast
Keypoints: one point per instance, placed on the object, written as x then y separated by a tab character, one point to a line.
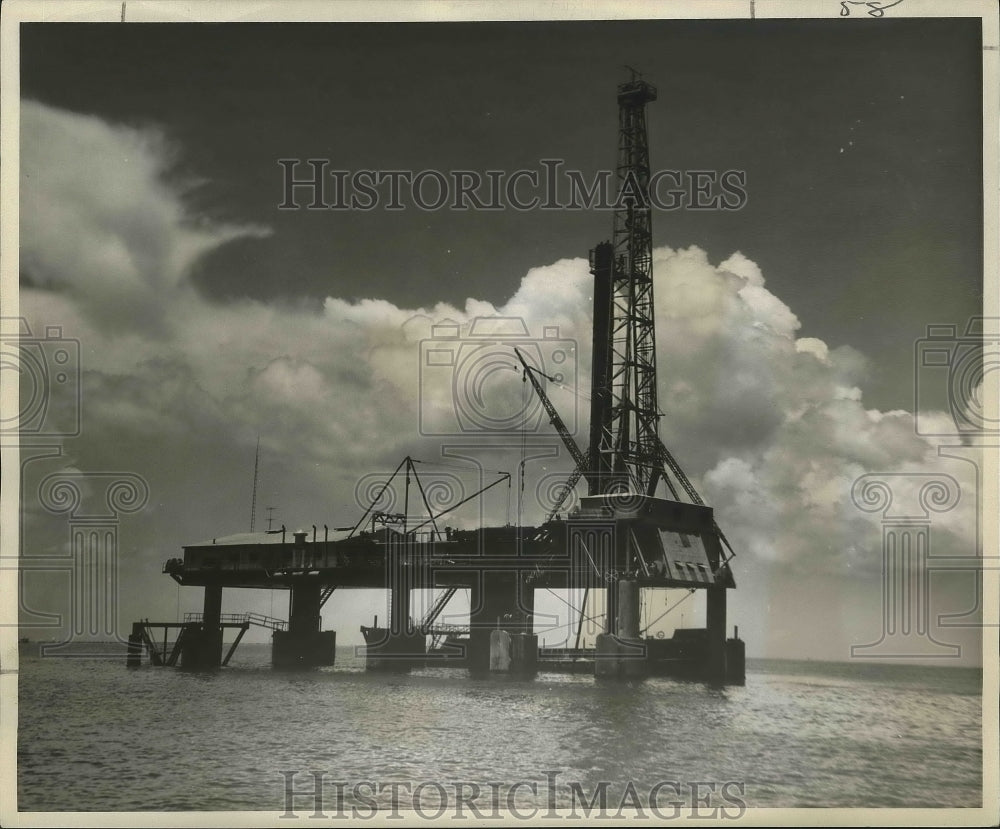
253	499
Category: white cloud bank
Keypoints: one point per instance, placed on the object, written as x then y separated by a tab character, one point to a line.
770	426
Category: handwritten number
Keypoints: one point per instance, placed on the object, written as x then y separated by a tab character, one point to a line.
875	9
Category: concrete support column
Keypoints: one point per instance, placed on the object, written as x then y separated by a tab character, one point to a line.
513	653
499	651
400	622
525	608
303	645
399	647
202	648
611	607
133	658
736	660
502	601
211	632
628	609
524	654
716	623
212	608
303	617
622	654
482	621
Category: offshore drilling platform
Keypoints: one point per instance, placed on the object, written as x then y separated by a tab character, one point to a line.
623	537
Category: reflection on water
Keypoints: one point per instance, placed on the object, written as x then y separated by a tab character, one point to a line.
95	736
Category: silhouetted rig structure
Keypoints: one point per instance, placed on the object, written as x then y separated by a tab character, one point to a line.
622	538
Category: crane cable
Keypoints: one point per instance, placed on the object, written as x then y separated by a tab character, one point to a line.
672	607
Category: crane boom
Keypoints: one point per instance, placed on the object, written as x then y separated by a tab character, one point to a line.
566	490
554	419
583	461
583	466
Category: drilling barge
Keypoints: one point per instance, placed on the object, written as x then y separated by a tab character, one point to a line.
631	532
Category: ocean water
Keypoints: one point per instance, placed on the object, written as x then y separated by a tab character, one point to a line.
93	735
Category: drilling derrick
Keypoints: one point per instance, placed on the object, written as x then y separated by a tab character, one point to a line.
624	441
657	541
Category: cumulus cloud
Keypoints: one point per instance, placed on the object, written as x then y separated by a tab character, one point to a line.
99	221
772	427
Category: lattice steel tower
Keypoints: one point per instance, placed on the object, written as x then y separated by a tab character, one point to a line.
625	450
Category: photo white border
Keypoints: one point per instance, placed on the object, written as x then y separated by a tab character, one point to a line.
14	12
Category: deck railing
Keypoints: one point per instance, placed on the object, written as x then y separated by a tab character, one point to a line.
257	619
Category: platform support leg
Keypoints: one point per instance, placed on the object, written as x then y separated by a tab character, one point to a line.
304	645
133	658
501	601
715	667
621	653
202	648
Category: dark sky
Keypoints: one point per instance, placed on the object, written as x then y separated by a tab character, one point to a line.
861	144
